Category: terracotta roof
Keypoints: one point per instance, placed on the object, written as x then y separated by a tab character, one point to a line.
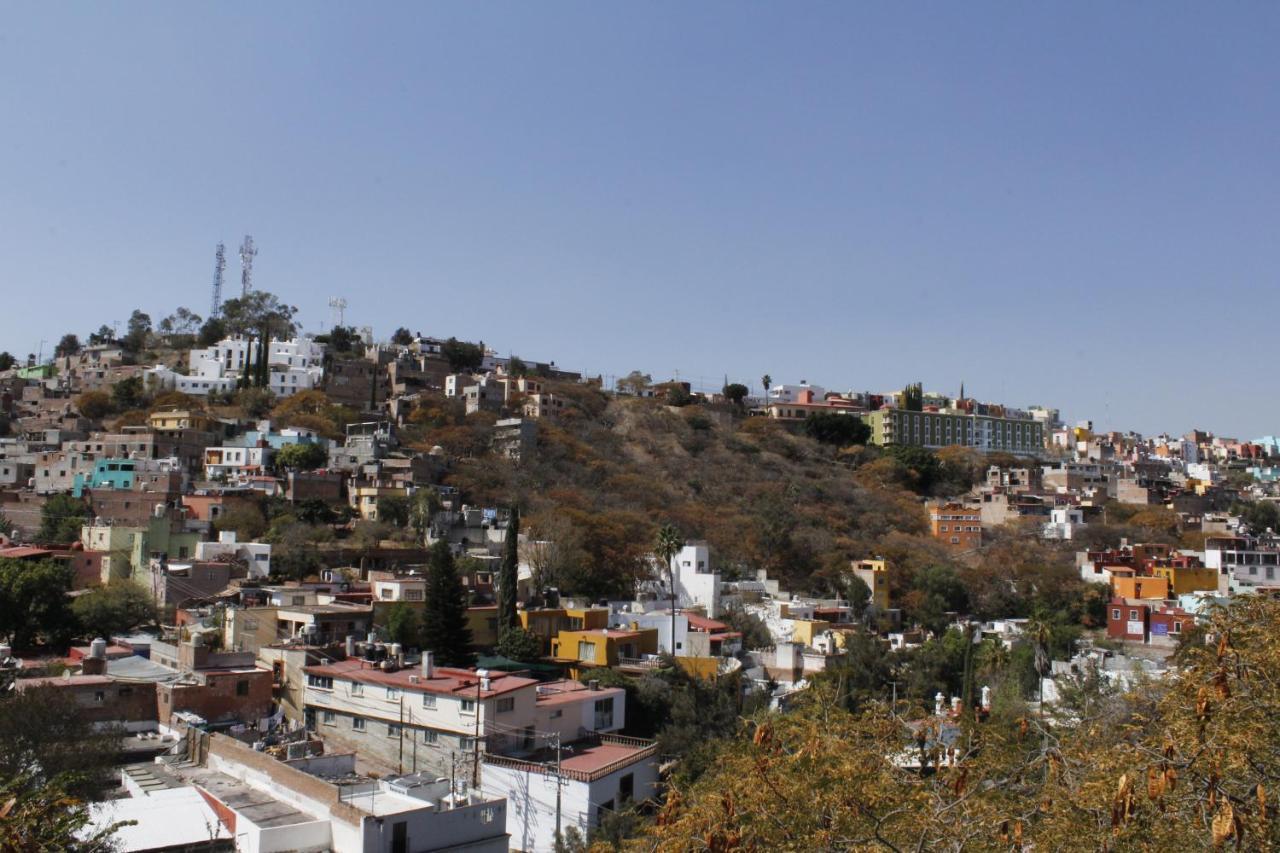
703	623
446	679
22	552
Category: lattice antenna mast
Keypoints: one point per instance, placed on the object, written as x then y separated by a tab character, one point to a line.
247	253
339	306
219	267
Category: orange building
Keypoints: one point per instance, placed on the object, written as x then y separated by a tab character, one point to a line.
956	525
1139	587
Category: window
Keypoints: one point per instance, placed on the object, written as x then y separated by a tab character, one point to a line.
627	787
320	682
357	723
357	689
430	736
1133	615
1177	627
413	595
99	696
329	717
468	706
557	713
506	705
428	700
466	743
393	730
242	687
586	650
604	713
393	693
1115	613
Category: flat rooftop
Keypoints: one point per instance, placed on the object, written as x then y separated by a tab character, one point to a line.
257	806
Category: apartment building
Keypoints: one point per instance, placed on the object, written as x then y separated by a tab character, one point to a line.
987	433
956	525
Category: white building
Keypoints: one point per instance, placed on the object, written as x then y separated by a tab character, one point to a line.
421	716
696	584
232	461
791	393
256	554
596	776
296	365
1064	522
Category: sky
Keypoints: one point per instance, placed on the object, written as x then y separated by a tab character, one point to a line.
1071	205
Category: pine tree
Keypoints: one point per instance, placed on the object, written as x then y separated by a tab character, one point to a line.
509	575
444	620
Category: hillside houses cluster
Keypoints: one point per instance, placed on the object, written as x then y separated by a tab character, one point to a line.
271	703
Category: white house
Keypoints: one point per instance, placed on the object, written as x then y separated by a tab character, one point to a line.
596	775
696	584
256	554
791	393
1064	522
296	365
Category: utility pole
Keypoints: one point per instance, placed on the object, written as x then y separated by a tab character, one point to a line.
401	732
475	742
559	786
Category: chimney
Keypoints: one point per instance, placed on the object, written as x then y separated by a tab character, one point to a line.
484	679
428	665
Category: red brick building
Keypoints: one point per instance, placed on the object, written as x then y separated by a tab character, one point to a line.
1128	620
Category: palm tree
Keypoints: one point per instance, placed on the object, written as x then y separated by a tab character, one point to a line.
766	381
665	548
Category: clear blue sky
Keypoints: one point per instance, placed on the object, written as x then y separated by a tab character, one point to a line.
1073	204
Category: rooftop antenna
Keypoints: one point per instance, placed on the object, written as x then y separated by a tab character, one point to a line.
339	306
247	251
219	267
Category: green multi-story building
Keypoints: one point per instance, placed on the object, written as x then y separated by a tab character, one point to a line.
943	429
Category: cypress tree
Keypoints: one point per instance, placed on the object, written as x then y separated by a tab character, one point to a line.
509	575
444	620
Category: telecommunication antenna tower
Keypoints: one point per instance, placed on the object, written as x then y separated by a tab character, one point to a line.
247	252
339	306
219	267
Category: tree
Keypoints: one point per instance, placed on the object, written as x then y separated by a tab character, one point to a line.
839	430
61	518
519	645
246	315
767	382
402	337
211	332
6	361
393	510
666	546
245	519
104	335
48	734
94	405
137	331
114	609
128	393
301	456
735	392
255	402
404	625
516	366
34	603
445	630
678	395
342	338
936	592
913	397
69	345
462	355
635	382
509	576
49	816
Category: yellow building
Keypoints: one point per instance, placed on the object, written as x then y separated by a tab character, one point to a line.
1183	579
875	574
174	419
548	622
603	646
1133	586
364	499
808	630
